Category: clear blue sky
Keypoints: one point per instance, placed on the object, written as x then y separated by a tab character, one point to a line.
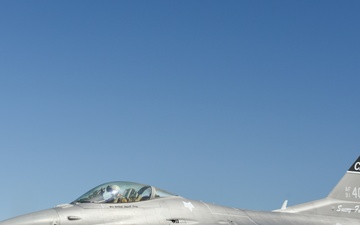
239	103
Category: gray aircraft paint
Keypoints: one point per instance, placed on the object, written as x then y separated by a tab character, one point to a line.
340	207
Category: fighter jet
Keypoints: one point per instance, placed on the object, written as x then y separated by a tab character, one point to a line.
128	203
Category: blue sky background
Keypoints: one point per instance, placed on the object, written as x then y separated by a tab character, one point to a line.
239	103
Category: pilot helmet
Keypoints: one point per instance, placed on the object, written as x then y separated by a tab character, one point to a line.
113	189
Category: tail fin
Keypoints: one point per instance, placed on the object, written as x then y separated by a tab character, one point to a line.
343	200
348	189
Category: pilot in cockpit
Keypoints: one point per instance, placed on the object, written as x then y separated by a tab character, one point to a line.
112	194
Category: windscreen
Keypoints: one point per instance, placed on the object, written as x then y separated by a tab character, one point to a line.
121	192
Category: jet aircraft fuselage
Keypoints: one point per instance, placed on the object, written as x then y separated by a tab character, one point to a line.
127	203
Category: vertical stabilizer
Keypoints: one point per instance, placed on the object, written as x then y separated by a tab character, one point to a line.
348	189
343	200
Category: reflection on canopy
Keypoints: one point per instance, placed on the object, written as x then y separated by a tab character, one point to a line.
121	192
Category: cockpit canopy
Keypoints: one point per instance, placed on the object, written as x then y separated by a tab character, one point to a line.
121	192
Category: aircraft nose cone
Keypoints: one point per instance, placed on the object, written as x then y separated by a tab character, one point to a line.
44	217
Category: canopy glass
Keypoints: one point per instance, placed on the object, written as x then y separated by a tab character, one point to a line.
121	192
